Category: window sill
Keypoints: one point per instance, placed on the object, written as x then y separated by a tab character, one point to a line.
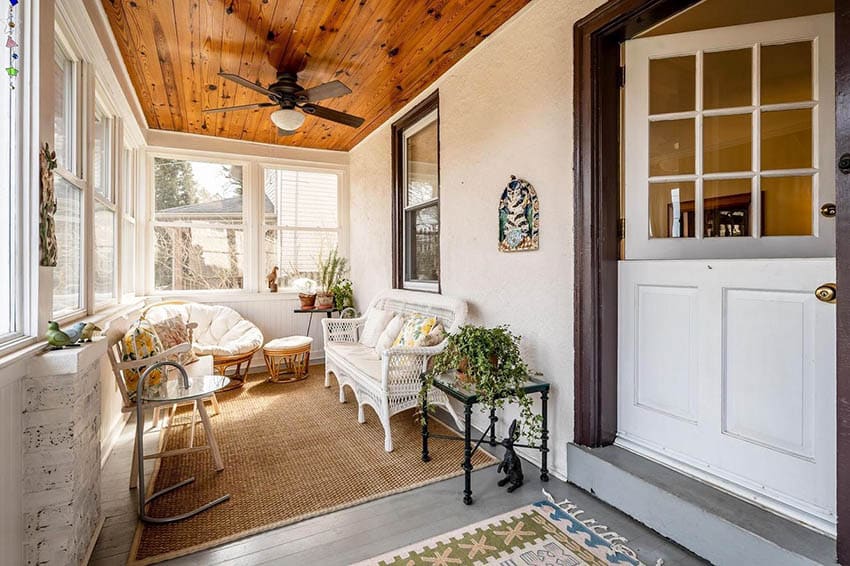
227	296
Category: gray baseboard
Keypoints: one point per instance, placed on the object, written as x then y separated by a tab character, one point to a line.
707	521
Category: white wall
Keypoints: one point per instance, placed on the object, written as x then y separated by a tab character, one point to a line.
506	108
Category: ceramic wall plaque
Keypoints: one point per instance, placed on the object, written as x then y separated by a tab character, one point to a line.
519	217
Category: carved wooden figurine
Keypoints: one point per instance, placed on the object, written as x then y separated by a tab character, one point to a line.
272	279
511	464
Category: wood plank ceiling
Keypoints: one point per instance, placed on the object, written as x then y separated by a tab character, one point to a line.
386	51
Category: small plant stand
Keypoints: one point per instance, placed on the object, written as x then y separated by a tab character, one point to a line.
465	393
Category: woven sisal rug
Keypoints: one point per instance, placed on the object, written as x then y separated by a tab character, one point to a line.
543	534
291	451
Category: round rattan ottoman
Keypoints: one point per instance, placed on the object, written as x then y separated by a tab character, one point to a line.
288	358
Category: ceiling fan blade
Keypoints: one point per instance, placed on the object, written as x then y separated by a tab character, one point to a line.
282	132
332	115
332	89
247	84
241	107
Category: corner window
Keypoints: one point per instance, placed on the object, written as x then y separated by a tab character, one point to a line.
198	225
301	221
416	161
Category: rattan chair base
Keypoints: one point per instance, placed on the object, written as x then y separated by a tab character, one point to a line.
240	364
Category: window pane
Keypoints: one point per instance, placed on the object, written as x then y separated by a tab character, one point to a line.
102	156
786	73
422	174
786	139
198	258
67	281
104	253
727	207
128	184
63	118
423	244
300	199
128	257
787	205
728	80
295	253
672	84
671	210
728	144
671	147
197	192
11	279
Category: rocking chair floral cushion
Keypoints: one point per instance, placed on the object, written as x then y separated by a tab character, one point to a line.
139	342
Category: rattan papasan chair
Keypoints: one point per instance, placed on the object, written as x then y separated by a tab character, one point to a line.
221	332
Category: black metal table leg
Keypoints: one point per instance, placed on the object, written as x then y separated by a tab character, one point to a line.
493	420
544	435
467	454
425	456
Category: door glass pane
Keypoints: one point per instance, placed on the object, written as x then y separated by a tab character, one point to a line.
423	244
786	73
727	143
422	165
727	80
787	206
104	253
727	208
672	84
671	147
786	139
671	210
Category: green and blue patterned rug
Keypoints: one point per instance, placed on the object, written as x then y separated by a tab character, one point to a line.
540	534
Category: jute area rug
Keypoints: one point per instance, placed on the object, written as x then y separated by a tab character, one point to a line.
291	451
541	534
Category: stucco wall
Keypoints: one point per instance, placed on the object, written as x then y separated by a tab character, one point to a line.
506	108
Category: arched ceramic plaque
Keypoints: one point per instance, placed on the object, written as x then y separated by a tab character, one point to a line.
519	217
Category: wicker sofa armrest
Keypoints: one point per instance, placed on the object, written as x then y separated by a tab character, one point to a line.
341	329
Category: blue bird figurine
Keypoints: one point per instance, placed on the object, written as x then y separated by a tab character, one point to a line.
75	333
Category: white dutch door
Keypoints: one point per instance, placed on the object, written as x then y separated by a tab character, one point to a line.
726	357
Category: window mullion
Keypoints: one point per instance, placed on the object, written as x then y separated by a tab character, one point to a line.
699	204
755	213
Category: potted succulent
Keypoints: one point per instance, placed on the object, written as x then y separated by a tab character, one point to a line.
306	288
487	360
331	270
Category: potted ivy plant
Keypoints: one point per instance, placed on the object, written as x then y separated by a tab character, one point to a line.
488	361
331	270
343	294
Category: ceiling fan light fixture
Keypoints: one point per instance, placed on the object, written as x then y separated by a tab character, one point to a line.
287	119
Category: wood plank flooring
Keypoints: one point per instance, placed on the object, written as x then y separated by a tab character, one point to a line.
366	530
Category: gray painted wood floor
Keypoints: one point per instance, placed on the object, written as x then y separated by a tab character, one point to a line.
370	529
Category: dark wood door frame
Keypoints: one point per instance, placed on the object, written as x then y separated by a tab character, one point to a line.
597	42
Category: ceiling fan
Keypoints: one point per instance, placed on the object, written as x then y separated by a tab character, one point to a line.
294	101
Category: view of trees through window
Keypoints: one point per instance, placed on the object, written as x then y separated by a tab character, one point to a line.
198	225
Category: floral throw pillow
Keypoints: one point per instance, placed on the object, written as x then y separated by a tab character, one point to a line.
139	342
173	332
437	335
415	329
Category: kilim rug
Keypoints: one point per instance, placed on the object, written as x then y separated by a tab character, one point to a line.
291	451
541	534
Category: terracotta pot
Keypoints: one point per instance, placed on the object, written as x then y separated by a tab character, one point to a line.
324	300
308	301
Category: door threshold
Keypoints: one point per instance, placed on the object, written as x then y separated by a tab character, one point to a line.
713	524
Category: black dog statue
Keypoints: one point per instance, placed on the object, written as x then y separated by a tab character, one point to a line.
511	463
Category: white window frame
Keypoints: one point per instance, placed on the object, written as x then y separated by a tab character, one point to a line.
127	178
340	213
417	285
75	176
254	278
819	30
110	200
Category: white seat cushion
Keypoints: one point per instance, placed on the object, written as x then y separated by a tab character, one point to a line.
289	343
359	356
221	331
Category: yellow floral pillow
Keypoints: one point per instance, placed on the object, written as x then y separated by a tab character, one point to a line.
415	330
139	342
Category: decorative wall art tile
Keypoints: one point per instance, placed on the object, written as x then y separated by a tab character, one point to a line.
519	217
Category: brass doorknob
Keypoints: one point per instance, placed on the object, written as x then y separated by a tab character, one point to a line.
826	292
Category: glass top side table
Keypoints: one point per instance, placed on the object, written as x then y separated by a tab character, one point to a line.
465	393
167	392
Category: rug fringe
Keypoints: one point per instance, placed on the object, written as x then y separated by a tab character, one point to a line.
618	542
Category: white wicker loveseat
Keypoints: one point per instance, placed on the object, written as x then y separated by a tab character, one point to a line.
389	385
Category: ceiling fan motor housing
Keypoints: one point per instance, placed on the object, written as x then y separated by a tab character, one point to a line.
285	88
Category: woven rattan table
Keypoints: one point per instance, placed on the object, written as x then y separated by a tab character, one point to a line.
287	359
